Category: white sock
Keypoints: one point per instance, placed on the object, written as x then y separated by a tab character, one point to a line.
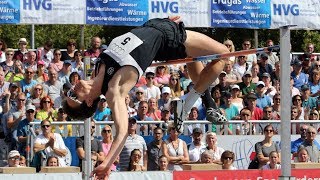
191	99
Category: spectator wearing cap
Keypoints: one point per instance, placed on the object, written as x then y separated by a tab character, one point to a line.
232	77
13	159
262	99
133	141
103	113
154	150
71	48
65	72
298	77
150	90
241	66
247	86
28	82
235	99
314	82
23	128
273	58
138	97
308	102
165	99
56	62
306	62
264	65
223	84
62	129
269	90
196	147
142	116
21	54
256	113
41	74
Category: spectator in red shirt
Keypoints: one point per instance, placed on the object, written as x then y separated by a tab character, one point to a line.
256	112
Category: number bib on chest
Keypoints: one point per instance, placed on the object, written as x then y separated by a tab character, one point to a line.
121	46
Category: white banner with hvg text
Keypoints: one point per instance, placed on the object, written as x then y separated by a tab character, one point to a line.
52	11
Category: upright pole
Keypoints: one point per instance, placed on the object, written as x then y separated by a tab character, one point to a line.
86	163
256	38
32	36
285	101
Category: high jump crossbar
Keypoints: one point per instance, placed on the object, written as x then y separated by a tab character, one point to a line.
217	56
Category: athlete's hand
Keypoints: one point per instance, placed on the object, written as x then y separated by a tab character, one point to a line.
101	172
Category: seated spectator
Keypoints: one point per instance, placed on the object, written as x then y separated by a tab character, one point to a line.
264	66
255	72
196	147
133	141
296	143
13	159
276	106
297	101
175	150
107	140
207	157
27	83
41	74
51	143
298	77
69	53
262	99
223	85
94	159
216	96
163	163
175	86
154	150
267	115
247	86
241	66
311	147
256	113
162	76
53	88
78	65
142	116
103	112
273	161
302	156
308	102
135	157
36	95
229	44
275	75
53	161
139	96
272	56
185	80
235	99
22	161
252	58
244	128
230	110
264	148
153	110
211	140
150	90
314	82
165	100
269	90
166	117
18	73
46	112
56	63
131	111
194	116
65	72
232	77
63	130
227	159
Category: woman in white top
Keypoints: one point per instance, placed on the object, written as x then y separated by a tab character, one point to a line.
227	159
231	48
211	139
273	161
175	150
241	66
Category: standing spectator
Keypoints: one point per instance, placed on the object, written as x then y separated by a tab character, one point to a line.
311	147
3	47
23	128
133	141
69	54
13	159
31	61
162	76
175	150
56	62
154	150
256	113
103	112
299	77
307	101
95	145
264	66
252	58
53	88
21	54
262	99
310	49
196	147
212	144
164	101
28	83
65	72
51	143
273	161
314	83
45	54
265	147
95	50
247	86
227	159
150	90
78	65
41	74
273	58
107	140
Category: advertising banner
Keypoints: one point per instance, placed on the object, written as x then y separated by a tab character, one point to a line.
241	13
303	14
194	13
117	12
52	11
300	174
9	12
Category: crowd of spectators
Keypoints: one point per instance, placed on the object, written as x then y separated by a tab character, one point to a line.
34	83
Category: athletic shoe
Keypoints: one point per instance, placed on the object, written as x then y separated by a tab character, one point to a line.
215	116
179	114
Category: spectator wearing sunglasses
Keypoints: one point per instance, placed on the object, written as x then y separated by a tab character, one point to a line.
227	159
175	86
13	159
71	48
310	145
107	139
51	143
7	65
150	90
103	113
23	128
63	130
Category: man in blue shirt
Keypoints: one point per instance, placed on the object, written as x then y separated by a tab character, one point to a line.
262	99
299	77
27	83
295	144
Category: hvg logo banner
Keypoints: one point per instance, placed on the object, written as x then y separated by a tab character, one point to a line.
52	11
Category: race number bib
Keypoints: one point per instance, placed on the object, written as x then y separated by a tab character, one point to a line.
121	46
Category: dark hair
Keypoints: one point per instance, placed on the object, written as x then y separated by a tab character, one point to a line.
269	125
74	74
52	157
227	153
81	112
294	97
4	45
130	162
